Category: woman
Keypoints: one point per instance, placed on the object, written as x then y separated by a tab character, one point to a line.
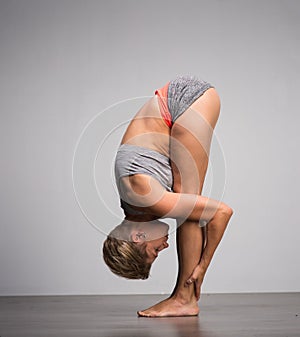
160	169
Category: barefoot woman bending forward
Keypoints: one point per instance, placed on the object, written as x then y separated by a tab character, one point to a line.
160	169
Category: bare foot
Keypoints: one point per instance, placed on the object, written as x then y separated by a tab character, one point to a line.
171	307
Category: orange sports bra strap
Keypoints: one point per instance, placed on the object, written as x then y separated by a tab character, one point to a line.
162	95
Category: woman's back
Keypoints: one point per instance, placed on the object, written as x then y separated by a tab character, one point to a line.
147	129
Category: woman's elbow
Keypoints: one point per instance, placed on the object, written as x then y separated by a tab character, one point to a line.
224	211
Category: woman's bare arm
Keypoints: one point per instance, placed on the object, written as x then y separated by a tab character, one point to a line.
147	194
186	207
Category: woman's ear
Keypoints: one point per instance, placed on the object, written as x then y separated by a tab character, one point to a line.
138	236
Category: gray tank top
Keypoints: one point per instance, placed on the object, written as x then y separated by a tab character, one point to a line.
132	159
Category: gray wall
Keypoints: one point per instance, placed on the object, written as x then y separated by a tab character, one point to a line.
63	62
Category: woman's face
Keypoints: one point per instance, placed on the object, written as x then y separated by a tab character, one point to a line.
156	237
151	234
154	247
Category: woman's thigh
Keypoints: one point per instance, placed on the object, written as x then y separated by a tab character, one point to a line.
190	141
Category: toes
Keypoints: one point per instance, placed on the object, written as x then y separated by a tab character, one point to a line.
142	314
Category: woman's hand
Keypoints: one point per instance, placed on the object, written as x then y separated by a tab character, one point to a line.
196	278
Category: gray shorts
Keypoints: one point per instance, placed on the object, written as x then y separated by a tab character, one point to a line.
178	95
132	159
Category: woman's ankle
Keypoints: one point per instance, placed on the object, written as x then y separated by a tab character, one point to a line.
184	295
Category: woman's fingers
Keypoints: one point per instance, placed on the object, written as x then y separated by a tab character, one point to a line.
193	277
197	286
189	282
196	278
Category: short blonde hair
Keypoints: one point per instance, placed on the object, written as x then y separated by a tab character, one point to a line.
124	257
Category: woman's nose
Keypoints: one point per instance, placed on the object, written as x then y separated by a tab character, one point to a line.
165	245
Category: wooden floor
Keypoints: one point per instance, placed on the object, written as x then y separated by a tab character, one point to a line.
238	315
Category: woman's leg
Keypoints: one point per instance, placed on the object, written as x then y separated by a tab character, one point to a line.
193	131
189	149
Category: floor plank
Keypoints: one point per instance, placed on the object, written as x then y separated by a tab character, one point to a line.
222	315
